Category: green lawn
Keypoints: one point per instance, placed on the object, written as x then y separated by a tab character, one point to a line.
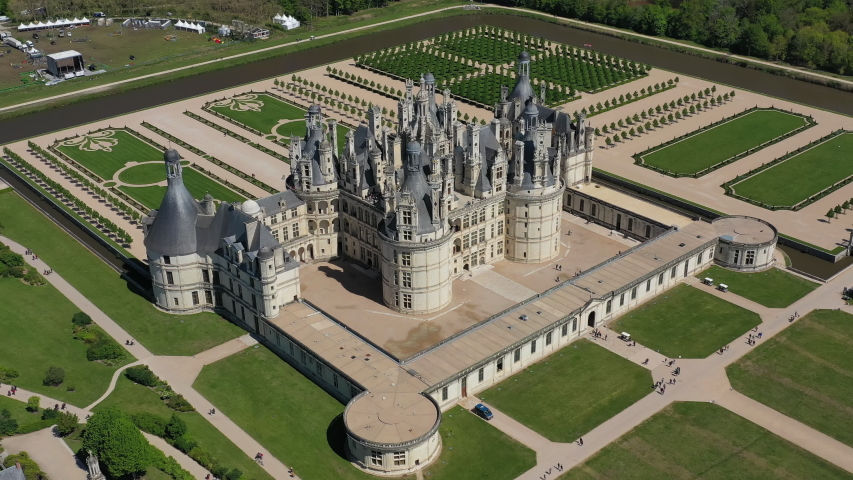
36	332
146	173
133	398
686	322
264	120
710	147
287	413
161	333
773	288
805	372
197	183
298	128
17	406
801	176
702	440
105	163
472	449
571	392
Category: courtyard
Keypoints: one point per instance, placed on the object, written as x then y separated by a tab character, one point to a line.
686	322
570	392
702	440
804	372
774	288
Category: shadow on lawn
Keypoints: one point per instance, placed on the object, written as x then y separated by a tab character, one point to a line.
336	436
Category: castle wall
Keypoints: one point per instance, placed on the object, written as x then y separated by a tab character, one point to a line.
416	277
612	216
533	226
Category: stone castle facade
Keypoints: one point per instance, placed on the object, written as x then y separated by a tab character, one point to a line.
419	206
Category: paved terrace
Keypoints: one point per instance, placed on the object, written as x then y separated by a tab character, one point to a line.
370	367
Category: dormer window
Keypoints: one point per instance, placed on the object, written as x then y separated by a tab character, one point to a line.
407	218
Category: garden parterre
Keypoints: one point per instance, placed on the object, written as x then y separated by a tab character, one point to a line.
491	45
412	61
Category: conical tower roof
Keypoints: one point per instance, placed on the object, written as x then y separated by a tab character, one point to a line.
173	230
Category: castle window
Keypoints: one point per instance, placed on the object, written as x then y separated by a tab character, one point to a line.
516	356
660	279
473	238
634	293
208	297
500	247
407	301
407	235
533	347
195	298
376	458
169	278
465	223
699	260
466	240
176	301
608	307
499	366
205	276
483	234
574	325
581	209
335	379
407	217
399	459
274	219
499	173
648	284
737	256
407	279
621	299
293	213
500	227
284	233
295	228
565	330
444	394
548	337
254	301
593	209
319	369
481	373
167	259
750	257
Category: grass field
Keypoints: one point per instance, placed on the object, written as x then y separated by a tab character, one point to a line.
271	110
686	322
197	183
571	392
474	450
91	151
702	440
161	333
146	173
133	398
801	176
773	288
36	329
288	414
285	130
17	407
710	147
804	372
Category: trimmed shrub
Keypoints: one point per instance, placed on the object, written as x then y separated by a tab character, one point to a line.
105	349
54	377
150	423
142	375
176	427
81	319
49	414
8	374
185	443
66	424
180	404
17	272
203	458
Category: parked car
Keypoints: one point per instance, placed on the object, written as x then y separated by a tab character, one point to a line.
483	411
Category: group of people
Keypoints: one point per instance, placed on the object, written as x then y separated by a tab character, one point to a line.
129	342
12	391
558	467
751	339
793	317
47	272
722	349
597	334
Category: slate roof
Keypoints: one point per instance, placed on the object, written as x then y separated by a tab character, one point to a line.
173	230
12	473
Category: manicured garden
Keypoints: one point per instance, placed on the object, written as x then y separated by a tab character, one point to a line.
161	333
686	322
412	61
108	151
584	69
297	421
490	45
703	440
146	173
136	399
571	392
705	148
773	288
473	449
257	110
37	335
801	176
197	183
804	372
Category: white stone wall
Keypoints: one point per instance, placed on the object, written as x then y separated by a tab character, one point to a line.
416	277
185	272
400	460
745	257
533	225
601	311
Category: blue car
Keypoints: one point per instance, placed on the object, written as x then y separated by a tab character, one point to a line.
483	411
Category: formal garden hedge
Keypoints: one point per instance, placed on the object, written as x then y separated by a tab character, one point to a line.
232	134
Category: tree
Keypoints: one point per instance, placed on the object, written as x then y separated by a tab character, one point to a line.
33	403
176	427
830	215
845	205
66	423
624	135
608	141
54	377
837	209
117	442
80	319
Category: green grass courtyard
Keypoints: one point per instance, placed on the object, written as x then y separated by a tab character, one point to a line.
686	322
196	182
36	329
474	450
133	398
571	392
805	373
702	440
257	110
801	176
108	151
773	288
161	333
704	149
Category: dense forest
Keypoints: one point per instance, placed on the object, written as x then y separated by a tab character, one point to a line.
811	33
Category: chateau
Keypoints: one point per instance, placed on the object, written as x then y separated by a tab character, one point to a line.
420	207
